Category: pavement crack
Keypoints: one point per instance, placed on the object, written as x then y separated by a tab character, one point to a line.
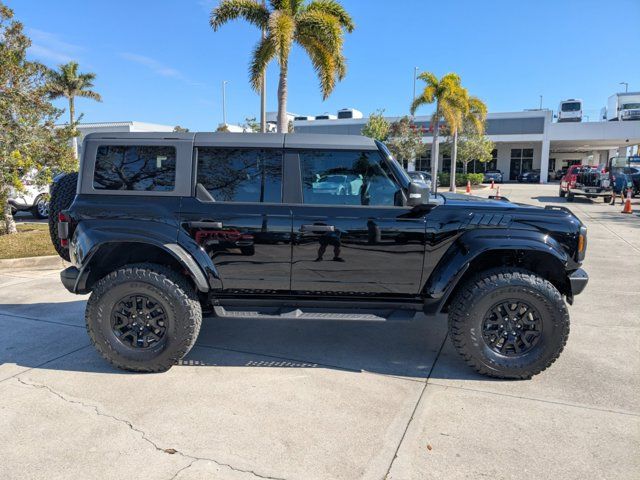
145	437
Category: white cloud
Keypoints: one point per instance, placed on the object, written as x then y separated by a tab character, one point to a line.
157	67
48	46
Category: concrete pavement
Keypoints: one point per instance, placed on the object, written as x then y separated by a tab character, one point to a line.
327	400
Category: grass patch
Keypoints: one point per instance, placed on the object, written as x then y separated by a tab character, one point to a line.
32	240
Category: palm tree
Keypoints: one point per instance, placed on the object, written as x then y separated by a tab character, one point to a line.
447	94
67	82
470	117
318	27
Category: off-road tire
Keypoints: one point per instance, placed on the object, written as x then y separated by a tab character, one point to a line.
562	193
177	297
62	194
570	197
477	297
607	199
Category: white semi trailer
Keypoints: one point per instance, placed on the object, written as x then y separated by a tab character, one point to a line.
624	106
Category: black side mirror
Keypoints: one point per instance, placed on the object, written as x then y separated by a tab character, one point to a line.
417	194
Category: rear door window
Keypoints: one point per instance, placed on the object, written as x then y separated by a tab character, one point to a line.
137	168
241	174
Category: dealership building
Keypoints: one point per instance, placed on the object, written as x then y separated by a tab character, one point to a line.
524	141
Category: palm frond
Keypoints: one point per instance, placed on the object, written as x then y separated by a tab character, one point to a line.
333	8
262	55
427	97
282	28
429	78
324	63
228	10
89	94
322	27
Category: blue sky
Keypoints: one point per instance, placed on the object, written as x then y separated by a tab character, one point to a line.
159	61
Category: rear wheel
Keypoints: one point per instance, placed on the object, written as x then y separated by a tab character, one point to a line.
562	193
509	323
40	208
62	194
143	317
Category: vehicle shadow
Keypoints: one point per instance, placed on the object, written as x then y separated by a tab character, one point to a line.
557	199
57	340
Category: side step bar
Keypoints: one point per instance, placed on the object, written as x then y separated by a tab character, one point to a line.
292	313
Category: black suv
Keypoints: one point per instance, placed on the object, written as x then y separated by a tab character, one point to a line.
162	227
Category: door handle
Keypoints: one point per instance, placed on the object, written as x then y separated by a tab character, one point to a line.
205	224
318	228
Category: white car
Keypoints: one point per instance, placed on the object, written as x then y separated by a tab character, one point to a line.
34	199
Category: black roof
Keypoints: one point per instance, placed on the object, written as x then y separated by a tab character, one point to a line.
273	140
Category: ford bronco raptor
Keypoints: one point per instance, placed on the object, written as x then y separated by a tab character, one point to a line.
162	227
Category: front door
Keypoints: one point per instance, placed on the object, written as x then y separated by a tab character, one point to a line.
237	217
350	237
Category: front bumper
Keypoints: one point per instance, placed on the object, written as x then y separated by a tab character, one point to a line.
592	191
578	281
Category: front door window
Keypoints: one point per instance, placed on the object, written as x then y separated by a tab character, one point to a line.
521	161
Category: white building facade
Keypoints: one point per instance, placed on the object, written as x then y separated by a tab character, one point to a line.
528	140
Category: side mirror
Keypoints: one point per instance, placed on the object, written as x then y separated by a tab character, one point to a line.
417	194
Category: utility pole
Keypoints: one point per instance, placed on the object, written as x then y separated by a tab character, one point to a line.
626	86
263	89
224	102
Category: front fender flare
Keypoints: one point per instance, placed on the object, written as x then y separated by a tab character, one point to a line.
474	243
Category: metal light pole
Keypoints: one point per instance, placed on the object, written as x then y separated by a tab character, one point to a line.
263	89
224	102
415	75
540	102
626	86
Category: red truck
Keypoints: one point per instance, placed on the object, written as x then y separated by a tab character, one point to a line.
586	180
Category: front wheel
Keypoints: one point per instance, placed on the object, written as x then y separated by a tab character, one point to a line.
143	317
562	193
509	323
607	199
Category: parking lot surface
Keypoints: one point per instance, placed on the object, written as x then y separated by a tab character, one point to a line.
326	399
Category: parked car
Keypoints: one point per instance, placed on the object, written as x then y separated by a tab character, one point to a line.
531	176
423	177
627	178
33	199
495	175
157	224
586	180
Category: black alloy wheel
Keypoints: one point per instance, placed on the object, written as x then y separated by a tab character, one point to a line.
139	321
512	328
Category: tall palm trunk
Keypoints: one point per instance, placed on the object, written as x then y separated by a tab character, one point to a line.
74	139
435	151
9	222
283	121
454	160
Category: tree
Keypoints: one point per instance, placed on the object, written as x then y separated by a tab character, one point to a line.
318	27
474	146
68	83
405	141
29	142
251	125
474	113
222	128
180	129
445	92
377	126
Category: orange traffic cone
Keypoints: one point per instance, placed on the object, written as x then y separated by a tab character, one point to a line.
493	185
468	186
627	203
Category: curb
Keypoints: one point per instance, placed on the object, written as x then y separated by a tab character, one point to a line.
46	262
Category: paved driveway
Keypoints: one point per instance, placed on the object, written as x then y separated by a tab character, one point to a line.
327	400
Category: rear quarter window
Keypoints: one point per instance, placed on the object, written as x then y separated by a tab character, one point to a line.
135	168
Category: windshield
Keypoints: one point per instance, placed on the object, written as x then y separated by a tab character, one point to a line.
571	107
629	106
397	169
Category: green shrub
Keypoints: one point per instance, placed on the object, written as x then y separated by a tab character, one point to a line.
461	179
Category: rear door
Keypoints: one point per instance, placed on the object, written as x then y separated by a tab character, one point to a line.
237	217
352	236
